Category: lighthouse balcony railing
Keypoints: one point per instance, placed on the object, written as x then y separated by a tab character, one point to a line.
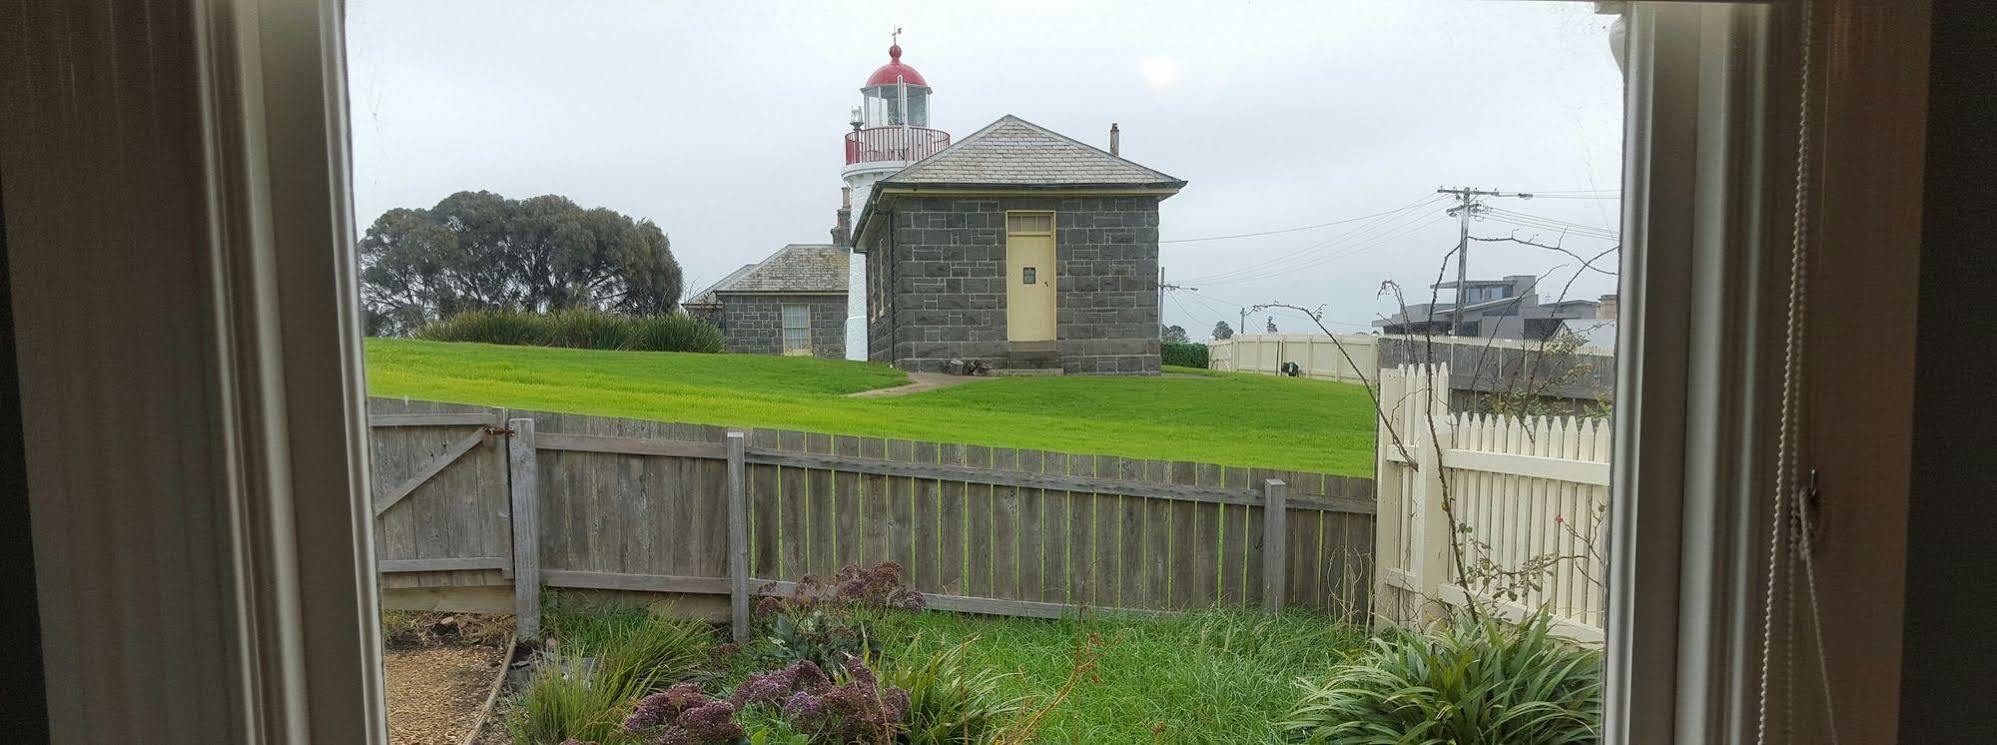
894	144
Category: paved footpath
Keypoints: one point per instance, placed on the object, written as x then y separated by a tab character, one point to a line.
923	381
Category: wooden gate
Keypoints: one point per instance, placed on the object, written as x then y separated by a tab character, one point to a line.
440	491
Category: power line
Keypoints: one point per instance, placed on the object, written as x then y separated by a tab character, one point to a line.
1540	222
1301	229
1358	235
1367	244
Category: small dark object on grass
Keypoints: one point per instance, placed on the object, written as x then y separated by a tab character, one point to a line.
958	366
1292	369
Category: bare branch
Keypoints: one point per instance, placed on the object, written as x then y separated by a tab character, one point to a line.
1587	264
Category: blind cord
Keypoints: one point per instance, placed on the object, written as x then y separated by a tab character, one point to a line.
1789	534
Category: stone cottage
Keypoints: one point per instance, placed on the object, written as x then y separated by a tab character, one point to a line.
1017	248
792	303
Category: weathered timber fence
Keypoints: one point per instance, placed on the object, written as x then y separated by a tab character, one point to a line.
698	511
1531	503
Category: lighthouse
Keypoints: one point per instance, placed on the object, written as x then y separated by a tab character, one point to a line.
890	130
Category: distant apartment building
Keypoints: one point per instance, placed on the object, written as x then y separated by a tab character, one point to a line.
1508	308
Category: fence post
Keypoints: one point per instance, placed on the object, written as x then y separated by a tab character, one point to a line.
1433	540
1275	543
523	475
738	535
1390	496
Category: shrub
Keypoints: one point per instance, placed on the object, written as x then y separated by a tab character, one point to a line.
674	334
579	328
857	708
1183	355
825	623
587	329
1470	681
488	326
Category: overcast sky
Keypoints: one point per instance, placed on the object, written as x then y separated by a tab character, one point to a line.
722	122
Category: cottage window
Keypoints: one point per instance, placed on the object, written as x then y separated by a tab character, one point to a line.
797	329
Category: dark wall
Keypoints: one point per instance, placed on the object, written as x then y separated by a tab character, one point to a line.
945	288
1949	646
754	324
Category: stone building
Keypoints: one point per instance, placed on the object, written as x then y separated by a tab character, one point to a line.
792	303
1017	248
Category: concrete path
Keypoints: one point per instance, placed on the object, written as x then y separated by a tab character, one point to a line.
924	381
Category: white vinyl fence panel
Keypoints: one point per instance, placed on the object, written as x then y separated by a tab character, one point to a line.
1318	356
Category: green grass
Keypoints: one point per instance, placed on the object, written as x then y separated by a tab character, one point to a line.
1206	677
1227	418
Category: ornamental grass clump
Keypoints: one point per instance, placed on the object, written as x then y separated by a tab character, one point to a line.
947	702
1471	681
578	328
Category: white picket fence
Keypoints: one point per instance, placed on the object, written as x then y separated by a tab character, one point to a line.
1316	354
1530	500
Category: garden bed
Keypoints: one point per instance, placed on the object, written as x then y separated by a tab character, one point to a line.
858	660
439	671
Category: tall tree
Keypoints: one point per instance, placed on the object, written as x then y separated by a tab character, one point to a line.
479	250
1222	331
1173	335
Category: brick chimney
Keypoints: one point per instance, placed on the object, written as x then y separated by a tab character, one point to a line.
1609	305
1113	140
842	232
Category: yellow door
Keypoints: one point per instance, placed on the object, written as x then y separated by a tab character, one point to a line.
1029	261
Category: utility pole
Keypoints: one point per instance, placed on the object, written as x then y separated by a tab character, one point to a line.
1162	287
1469	202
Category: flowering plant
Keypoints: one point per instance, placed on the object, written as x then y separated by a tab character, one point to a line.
857	708
682	715
825	622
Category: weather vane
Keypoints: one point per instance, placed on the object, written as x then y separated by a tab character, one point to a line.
896	36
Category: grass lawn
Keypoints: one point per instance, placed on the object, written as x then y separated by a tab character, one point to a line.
1232	419
1204	677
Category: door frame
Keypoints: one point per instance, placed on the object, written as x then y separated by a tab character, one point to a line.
1053	235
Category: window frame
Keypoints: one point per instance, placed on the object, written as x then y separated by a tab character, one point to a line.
295	611
785	328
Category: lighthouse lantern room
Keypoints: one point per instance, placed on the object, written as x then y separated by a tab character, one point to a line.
890	126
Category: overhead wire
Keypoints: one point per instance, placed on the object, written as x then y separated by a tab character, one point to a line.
1301	229
1361	238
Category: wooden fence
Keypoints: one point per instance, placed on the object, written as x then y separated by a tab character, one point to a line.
711	516
1531	504
1316	355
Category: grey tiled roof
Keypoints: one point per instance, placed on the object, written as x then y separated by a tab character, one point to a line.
706	296
1015	152
798	267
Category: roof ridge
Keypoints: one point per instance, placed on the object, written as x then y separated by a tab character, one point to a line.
959	150
1097	150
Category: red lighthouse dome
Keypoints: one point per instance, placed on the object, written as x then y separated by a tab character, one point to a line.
887	73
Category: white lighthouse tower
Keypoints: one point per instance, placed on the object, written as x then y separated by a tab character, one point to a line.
890	131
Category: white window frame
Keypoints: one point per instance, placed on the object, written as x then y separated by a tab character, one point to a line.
279	619
785	329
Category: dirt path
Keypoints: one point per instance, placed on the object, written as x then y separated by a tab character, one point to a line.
435	692
924	381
